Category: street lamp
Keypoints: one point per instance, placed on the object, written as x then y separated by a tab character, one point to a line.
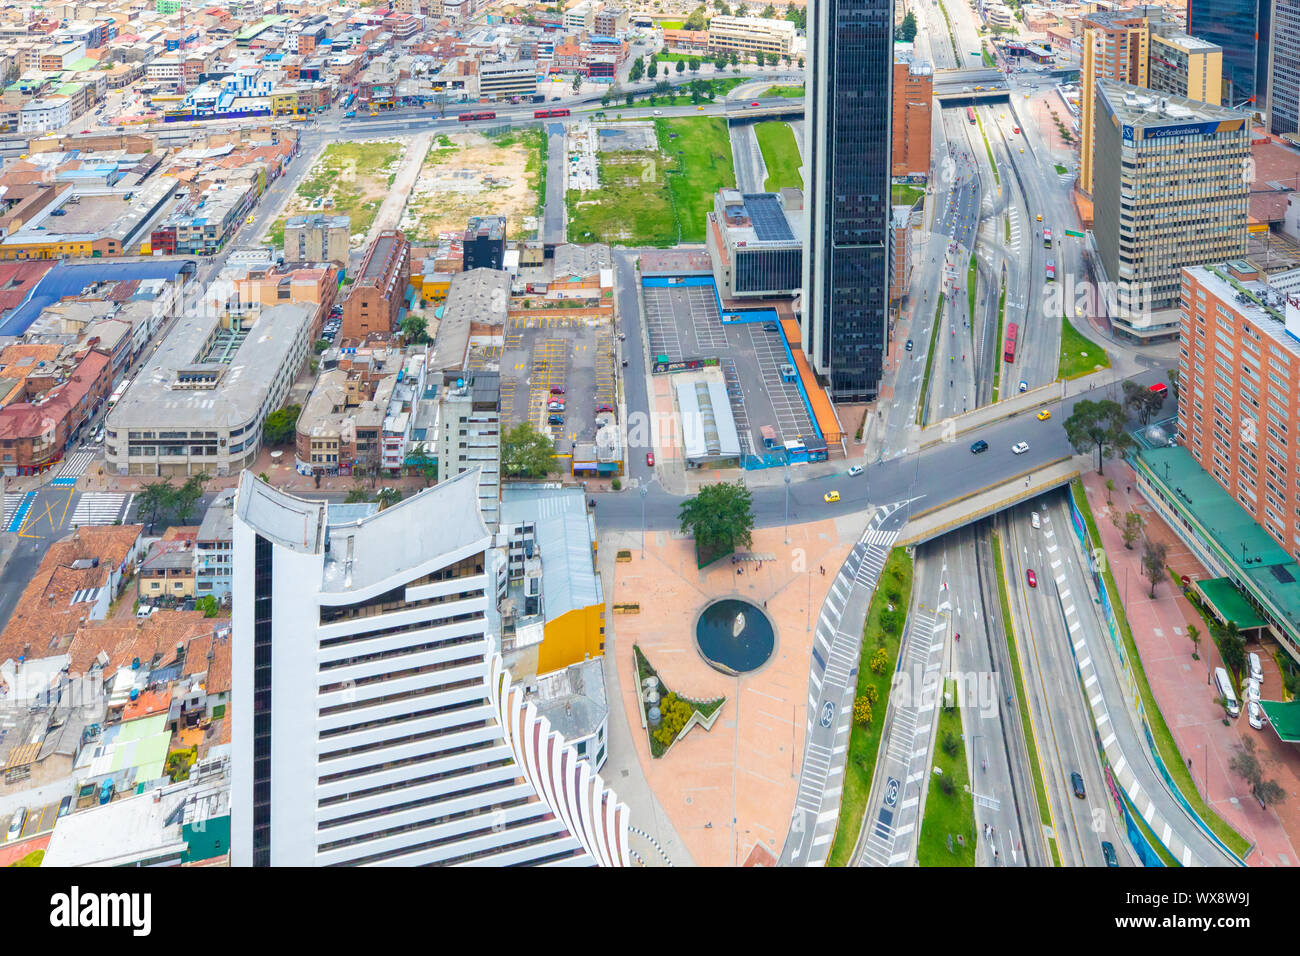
644	491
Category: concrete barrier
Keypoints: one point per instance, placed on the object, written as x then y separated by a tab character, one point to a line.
952	428
986	501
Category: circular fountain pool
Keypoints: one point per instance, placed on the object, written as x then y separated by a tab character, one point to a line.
734	636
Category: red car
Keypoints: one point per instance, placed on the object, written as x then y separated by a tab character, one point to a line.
650	458
1031	577
604	407
755	103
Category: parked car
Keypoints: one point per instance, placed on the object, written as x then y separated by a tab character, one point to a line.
556	406
909	345
1252	691
555	420
979	446
1031	578
99	435
1256	674
1020	447
1024	386
1033	520
16	824
65	806
1255	714
604	407
557	389
1076	783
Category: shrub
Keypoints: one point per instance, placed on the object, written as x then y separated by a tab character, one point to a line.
616	484
950	743
879	661
862	711
872	694
947	785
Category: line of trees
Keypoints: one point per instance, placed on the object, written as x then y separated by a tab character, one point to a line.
161	499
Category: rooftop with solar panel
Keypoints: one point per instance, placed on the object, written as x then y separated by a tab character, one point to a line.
750	218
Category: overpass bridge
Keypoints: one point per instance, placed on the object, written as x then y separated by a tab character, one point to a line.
789	109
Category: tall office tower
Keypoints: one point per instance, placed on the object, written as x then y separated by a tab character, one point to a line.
845	302
1142	47
1241	27
1284	68
377	725
1171	192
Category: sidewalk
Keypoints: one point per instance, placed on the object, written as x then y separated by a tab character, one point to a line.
1179	684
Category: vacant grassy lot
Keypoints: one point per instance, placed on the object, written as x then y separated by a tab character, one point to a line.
894	587
903	195
780	155
354	176
631	207
1079	354
948	813
790	92
699	164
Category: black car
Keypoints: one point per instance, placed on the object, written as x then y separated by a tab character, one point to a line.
65	806
1108	851
979	446
909	345
1076	782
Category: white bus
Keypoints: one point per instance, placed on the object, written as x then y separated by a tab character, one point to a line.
1225	691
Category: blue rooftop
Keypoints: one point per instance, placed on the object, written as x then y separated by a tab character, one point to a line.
68	279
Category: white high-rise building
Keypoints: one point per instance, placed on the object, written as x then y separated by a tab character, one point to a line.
374	721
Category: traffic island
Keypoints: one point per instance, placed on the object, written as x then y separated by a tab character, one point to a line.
948	826
667	716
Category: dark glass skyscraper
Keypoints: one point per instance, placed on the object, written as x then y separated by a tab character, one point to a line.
846	268
1241	27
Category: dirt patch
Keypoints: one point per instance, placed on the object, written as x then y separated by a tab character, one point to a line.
349	179
466	174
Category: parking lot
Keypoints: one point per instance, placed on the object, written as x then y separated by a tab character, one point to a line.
568	352
684	321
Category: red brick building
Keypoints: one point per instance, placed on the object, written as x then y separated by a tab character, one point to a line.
376	298
913	88
35	432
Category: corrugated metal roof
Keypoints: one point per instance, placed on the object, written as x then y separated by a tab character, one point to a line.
569	579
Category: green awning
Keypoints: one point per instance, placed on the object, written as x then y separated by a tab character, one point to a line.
1285	719
1229	603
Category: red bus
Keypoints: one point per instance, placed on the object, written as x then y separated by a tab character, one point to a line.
1009	349
543	114
970	115
470	117
1051	269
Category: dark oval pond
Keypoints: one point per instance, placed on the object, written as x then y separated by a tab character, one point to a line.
734	636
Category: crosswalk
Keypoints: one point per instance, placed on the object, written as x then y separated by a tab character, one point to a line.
75	465
100	508
1014	244
13	502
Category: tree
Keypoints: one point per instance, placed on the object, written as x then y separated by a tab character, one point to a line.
1153	562
1132	528
187	496
862	712
637	71
722	8
321	345
695	21
415	329
801	63
356	495
1232	646
681	66
628	99
1194	635
1097	425
1245	764
720	517
653	71
739	10
1110	489
577	82
735	60
279	427
155	501
388	497
799	17
208	605
907	29
424	465
526	452
1172	375
769	12
760	59
694	64
1141	401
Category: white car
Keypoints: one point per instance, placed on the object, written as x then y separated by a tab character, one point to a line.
16	824
1255	714
1256	674
1033	520
1020	448
1252	691
855	471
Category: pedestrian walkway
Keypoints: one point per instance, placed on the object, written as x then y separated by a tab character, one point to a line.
100	508
16	507
1180	684
74	466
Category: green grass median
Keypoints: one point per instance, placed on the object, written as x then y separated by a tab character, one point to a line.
780	155
997	359
949	803
929	363
1174	760
883	630
1080	355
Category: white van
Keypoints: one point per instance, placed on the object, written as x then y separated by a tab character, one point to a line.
1225	691
1255	673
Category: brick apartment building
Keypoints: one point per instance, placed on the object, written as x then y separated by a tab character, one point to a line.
913	89
376	298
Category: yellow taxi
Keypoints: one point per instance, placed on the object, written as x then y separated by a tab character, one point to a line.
1044	415
1039	217
831	496
1022	149
249	220
699	107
